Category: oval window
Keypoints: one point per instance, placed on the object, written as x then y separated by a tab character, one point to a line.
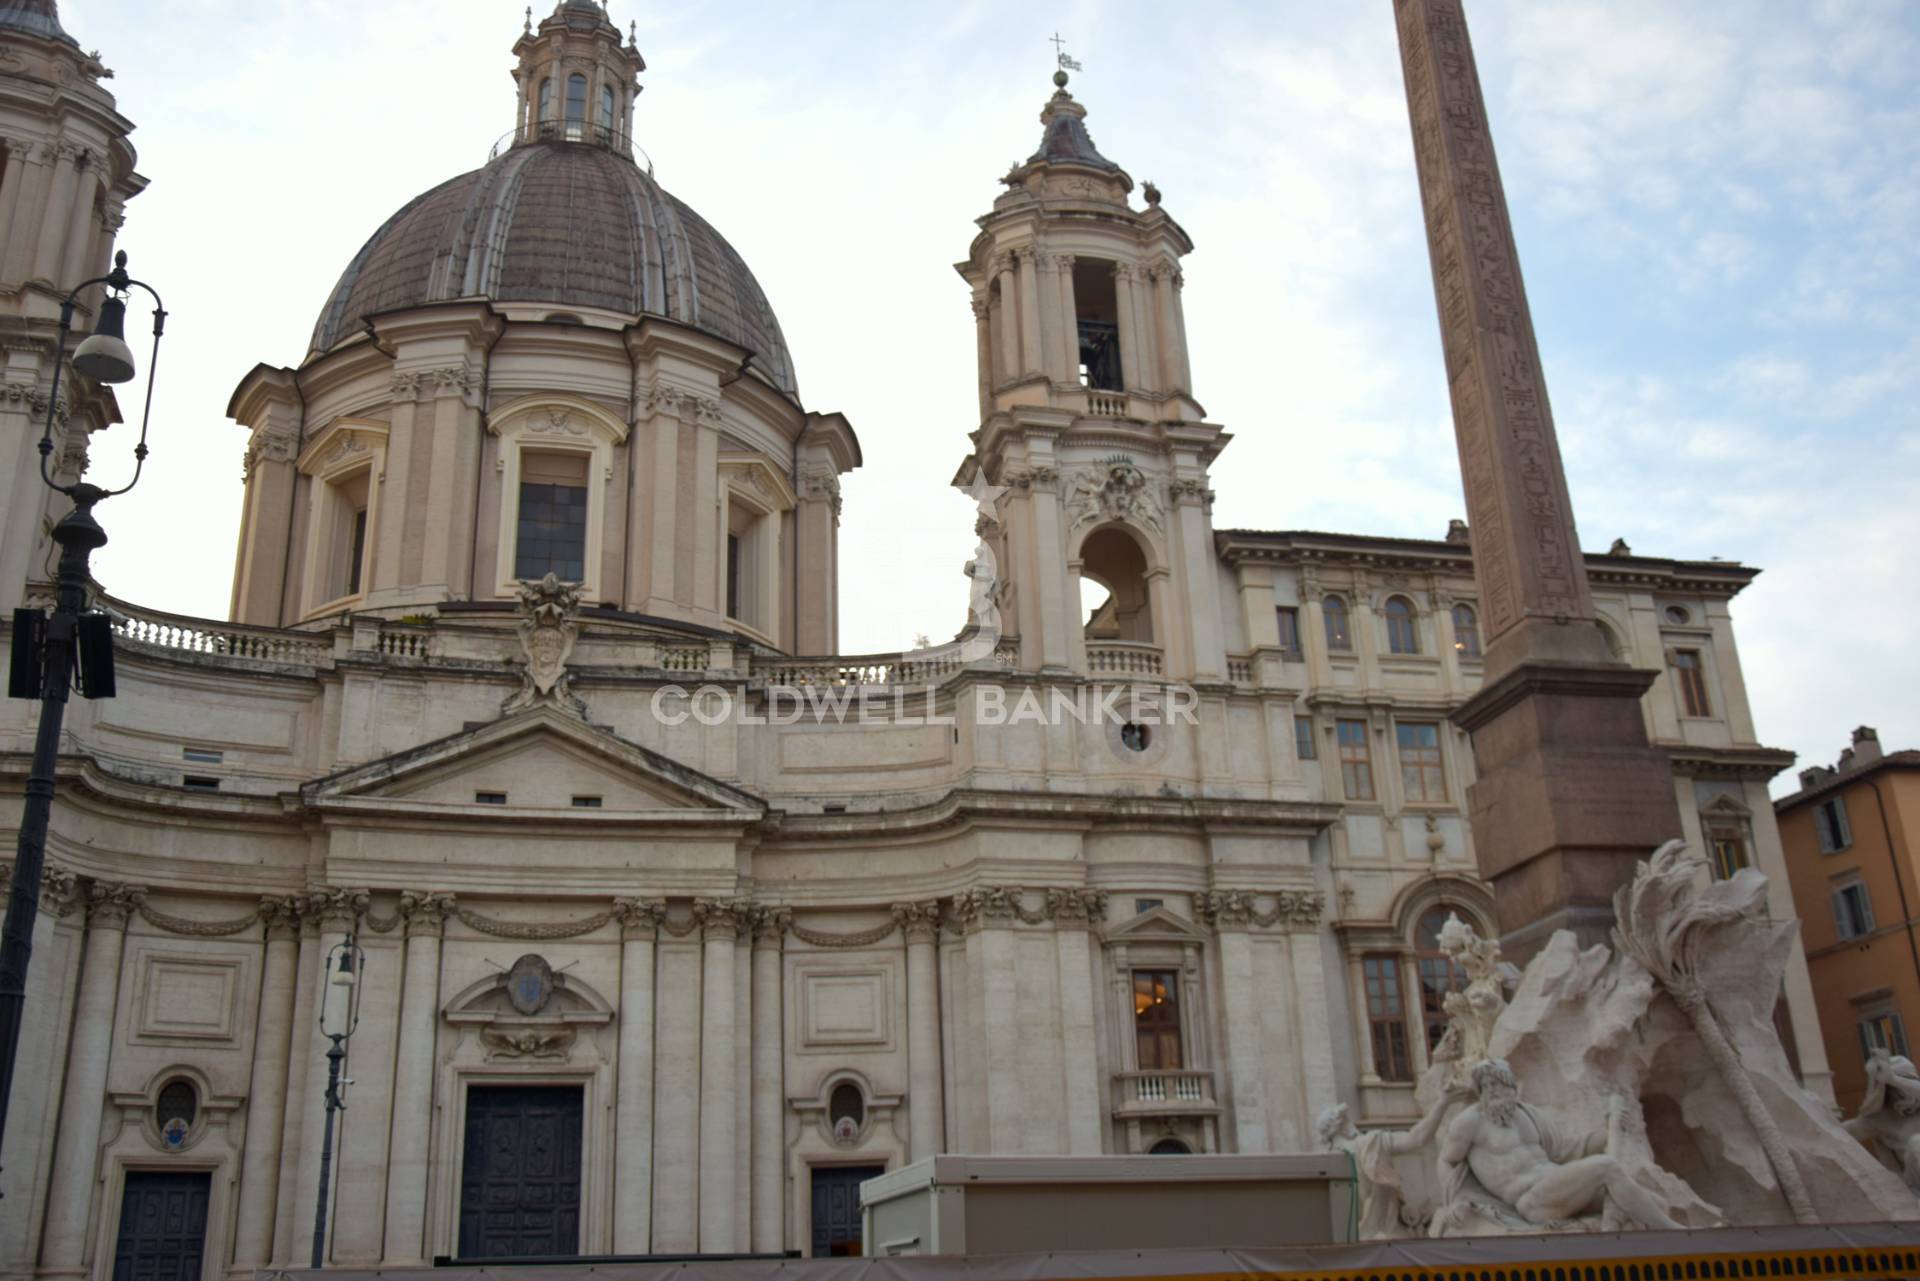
174	1111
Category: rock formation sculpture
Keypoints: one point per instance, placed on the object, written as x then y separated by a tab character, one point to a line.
1889	1117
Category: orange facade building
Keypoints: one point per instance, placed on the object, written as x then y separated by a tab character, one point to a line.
1854	864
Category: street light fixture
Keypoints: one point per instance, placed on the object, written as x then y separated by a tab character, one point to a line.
339	1015
73	646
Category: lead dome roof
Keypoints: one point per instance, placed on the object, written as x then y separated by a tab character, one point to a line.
563	223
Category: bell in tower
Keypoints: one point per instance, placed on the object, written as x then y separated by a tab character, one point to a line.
1090	434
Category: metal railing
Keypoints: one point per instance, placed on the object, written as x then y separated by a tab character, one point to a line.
584	132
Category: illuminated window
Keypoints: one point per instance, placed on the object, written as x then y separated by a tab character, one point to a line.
1466	631
1156	1019
1729	854
1882	1030
1356	766
1334	611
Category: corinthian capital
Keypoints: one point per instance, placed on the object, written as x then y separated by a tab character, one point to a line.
110	903
920	922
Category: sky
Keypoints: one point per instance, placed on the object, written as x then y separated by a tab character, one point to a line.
1715	204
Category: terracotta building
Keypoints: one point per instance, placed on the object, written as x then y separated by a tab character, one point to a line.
1852	862
545	468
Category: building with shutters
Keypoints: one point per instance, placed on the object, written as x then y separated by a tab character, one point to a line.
676	922
1848	835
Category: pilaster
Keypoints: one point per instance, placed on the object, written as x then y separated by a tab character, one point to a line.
769	1093
425	915
926	1099
267	1089
633	1108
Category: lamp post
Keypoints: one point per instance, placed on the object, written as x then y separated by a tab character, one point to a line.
339	1015
49	653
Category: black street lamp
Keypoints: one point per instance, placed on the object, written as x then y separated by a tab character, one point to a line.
49	653
339	1015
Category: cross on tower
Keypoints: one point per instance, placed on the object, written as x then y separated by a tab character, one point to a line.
1060	54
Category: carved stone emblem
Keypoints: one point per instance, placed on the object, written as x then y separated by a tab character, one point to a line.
549	611
1114	490
530	984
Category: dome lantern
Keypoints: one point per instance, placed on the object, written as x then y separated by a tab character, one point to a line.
576	80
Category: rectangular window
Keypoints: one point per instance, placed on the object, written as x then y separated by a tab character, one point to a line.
1422	777
1289	619
359	553
1729	854
1303	744
1692	675
1356	766
586	802
200	783
552	533
1141	906
749	553
1830	821
1156	1019
733	575
489	798
1882	1031
202	755
1852	909
1387	1016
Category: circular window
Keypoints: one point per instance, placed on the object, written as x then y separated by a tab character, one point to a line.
1135	737
1678	615
175	1110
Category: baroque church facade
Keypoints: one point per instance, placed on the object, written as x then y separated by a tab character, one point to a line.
675	923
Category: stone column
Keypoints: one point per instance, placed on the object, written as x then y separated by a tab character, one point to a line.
1231	915
769	1088
1069	319
720	922
1049	537
633	1106
406	1230
29	175
338	912
80	229
267	1092
49	259
1009	320
77	1151
1031	362
1129	329
1073	911
47	1021
926	1100
289	1245
1570	794
983	352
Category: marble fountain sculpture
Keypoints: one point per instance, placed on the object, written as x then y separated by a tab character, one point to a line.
1641	1085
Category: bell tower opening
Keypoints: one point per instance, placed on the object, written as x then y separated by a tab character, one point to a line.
1097	316
1112	559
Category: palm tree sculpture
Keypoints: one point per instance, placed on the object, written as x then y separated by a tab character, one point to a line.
1662	918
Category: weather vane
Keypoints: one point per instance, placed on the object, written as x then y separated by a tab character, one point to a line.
1060	54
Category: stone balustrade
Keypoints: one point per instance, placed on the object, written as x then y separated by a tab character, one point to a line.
1123	658
1165	1090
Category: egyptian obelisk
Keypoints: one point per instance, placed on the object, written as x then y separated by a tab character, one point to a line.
1570	794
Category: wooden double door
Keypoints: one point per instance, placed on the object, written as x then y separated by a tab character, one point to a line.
520	1174
163	1226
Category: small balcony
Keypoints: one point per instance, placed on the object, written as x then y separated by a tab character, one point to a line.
1180	1092
1123	658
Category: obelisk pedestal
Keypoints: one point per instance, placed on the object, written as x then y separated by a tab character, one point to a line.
1570	793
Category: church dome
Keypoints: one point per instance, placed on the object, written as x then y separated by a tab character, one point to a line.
567	224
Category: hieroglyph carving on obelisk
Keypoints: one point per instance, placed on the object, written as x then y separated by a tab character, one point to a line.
1525	551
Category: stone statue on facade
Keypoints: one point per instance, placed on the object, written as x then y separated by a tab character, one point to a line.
1382	1205
1889	1117
1508	1167
549	625
1472	1011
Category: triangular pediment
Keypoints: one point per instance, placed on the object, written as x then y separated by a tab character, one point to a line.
1155	925
540	759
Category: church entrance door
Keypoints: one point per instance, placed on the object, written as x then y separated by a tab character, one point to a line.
163	1226
836	1208
520	1175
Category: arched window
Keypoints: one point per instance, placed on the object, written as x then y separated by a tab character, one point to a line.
846	1104
1334	610
1438	973
576	104
175	1110
1170	1147
1466	631
1403	634
607	104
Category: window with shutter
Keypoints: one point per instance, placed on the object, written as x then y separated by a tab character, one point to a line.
1830	823
1852	909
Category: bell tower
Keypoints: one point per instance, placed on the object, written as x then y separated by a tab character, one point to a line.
1091	446
66	174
